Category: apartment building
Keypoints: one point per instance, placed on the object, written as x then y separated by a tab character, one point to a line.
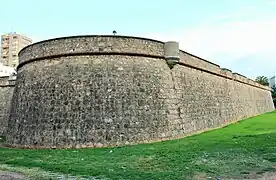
272	81
11	44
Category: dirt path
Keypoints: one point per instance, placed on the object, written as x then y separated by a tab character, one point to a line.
4	175
265	176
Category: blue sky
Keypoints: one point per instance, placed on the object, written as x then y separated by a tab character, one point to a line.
236	34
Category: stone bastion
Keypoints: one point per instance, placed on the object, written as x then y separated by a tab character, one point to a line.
6	91
97	91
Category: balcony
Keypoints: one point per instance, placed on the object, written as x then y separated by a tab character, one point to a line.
5	44
5	51
5	41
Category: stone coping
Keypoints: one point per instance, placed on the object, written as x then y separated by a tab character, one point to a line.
91	44
6	82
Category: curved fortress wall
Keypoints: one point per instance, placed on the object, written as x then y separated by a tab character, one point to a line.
6	92
94	91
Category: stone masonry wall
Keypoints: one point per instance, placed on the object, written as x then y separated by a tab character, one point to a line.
6	92
199	101
95	101
95	91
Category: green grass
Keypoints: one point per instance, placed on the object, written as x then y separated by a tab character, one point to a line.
243	149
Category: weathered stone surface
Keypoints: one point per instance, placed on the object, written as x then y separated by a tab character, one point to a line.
12	176
202	100
107	100
6	91
93	44
88	99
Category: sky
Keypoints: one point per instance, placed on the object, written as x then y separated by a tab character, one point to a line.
236	34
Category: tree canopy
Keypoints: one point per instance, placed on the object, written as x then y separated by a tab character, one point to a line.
262	80
274	92
274	95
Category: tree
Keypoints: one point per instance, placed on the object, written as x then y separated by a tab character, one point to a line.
262	80
274	95
274	92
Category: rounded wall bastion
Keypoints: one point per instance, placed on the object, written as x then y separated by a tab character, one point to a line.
98	91
88	91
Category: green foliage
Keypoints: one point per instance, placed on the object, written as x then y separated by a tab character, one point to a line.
274	92
240	150
262	80
274	101
274	95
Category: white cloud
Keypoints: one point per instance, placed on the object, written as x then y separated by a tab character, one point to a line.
231	43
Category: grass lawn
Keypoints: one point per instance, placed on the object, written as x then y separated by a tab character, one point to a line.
243	149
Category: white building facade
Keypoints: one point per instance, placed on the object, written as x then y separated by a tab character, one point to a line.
6	70
11	44
272	81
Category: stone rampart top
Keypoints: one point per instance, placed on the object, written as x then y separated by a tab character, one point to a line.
124	45
6	81
226	72
193	61
94	44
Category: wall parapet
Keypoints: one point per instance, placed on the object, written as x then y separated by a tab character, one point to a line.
227	72
193	61
6	81
92	44
124	45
